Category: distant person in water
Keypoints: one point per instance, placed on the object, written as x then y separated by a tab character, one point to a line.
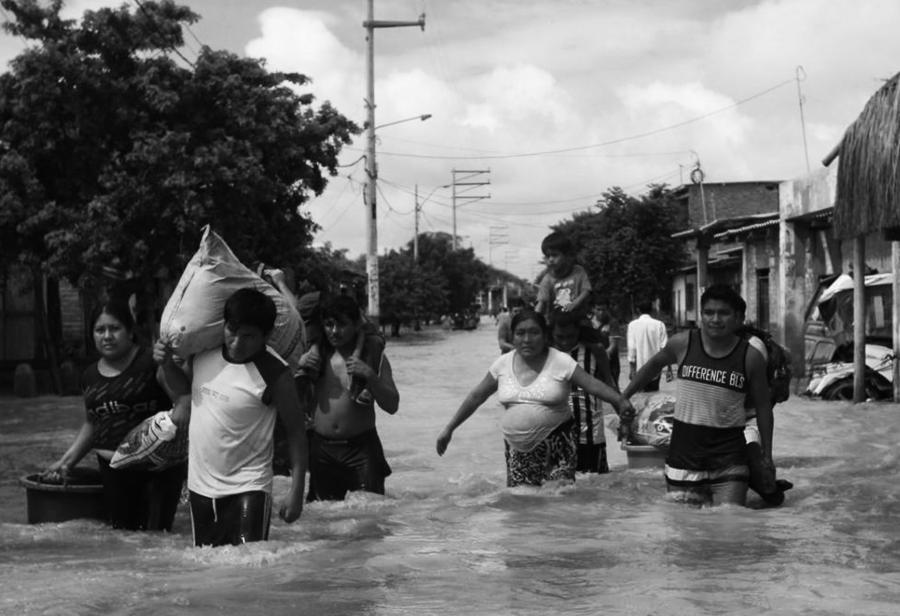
504	325
533	384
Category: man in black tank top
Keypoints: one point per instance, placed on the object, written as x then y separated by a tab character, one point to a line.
718	372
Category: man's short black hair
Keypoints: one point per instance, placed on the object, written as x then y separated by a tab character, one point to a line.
726	294
557	241
341	307
249	306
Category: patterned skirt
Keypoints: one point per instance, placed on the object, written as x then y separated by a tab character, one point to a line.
555	458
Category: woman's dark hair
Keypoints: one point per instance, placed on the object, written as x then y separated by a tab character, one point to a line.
117	309
537	317
249	307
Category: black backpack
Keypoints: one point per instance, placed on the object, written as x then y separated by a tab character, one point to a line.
778	368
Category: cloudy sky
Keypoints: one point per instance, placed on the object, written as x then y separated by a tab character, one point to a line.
560	99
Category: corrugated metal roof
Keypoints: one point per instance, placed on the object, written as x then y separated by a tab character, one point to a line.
747	228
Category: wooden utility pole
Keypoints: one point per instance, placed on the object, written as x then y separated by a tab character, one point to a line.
416	227
371	168
859	318
895	313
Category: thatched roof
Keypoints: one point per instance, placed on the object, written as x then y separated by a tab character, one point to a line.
868	178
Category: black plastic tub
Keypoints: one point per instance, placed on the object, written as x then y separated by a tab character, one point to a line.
81	497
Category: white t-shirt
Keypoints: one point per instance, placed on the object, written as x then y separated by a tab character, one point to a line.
645	337
230	441
535	410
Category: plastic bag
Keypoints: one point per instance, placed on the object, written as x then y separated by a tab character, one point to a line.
193	321
654	420
154	444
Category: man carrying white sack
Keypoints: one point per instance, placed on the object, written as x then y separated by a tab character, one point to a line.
236	391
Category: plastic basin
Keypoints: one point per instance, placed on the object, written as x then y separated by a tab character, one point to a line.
82	497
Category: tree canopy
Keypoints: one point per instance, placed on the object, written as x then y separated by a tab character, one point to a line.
626	246
115	155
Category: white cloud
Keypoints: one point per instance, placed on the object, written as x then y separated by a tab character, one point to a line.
301	41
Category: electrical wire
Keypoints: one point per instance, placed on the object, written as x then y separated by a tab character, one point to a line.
350	182
601	144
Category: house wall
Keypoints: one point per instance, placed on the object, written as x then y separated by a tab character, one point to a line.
807	253
730	200
761	261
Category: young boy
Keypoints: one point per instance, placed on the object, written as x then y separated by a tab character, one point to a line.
565	287
345	451
236	391
587	409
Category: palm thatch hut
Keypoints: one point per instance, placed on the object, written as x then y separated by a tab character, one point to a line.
868	178
867	202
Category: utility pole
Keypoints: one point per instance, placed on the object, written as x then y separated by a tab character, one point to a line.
467	178
416	229
370	24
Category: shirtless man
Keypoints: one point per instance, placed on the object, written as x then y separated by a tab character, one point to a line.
345	451
719	375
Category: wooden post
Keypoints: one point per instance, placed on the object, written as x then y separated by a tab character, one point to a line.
859	318
895	268
702	272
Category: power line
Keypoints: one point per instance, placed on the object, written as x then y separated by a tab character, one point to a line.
350	182
497	152
596	145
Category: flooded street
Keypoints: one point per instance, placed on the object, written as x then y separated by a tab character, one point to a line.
449	538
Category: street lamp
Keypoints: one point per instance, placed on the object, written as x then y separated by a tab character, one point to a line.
421	118
371	211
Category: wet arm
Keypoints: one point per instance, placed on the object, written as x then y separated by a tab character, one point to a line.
668	355
603	391
383	388
479	394
76	451
169	374
761	399
290	413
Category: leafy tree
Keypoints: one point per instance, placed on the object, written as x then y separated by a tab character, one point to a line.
410	292
113	155
464	273
626	246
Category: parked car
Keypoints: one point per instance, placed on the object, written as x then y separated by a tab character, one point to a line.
467	319
828	323
834	380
